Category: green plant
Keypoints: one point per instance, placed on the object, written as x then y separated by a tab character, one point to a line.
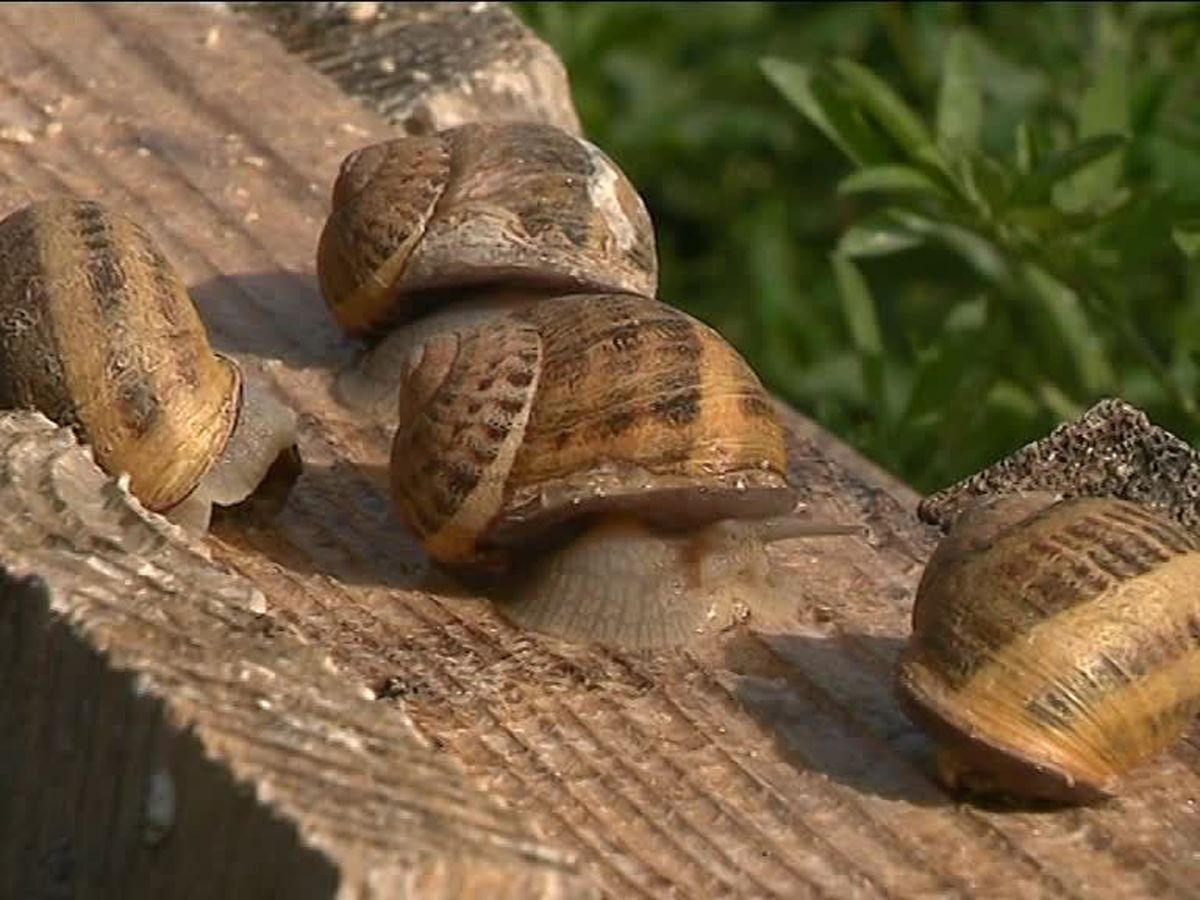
1076	266
946	305
1062	241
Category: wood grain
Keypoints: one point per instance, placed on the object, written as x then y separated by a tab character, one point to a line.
423	67
780	766
162	737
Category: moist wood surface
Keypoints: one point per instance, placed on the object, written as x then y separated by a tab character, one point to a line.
779	766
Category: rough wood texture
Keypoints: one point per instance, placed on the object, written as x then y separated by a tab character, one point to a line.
162	738
428	66
781	767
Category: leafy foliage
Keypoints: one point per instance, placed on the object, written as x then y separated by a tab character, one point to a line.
937	228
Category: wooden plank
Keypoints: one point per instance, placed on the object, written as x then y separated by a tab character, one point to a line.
423	66
162	738
780	766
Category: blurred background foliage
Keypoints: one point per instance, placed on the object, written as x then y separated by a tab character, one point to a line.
937	228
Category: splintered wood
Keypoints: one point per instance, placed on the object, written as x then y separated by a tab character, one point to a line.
169	728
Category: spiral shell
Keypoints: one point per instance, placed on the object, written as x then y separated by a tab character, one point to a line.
581	405
98	333
1055	645
516	203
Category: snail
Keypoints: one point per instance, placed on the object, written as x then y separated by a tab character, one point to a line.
609	466
1055	645
98	332
614	459
465	224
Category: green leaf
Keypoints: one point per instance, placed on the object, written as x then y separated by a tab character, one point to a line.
1075	330
1027	148
1056	400
882	239
838	120
960	103
896	178
858	306
1010	396
985	182
1104	110
940	373
1163	10
1187	238
1044	221
1035	223
1108	208
967	316
974	249
1058	166
897	119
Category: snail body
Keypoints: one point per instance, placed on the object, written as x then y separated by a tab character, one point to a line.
98	333
1055	646
433	231
614	452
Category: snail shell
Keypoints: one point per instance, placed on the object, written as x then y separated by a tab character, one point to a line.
1055	645
98	333
605	447
417	220
371	384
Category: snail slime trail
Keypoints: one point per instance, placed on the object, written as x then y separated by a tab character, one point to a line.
1055	646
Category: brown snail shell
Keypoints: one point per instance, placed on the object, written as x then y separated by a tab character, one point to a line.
98	333
1055	645
417	220
371	384
617	415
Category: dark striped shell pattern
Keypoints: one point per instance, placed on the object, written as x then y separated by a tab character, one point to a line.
98	333
1055	645
513	204
577	405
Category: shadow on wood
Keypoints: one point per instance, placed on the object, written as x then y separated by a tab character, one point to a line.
831	718
302	335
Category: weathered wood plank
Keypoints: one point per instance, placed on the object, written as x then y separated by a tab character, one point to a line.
162	738
428	66
781	767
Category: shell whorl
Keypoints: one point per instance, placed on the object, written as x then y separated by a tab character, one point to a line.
517	203
584	404
1067	639
464	407
99	333
383	198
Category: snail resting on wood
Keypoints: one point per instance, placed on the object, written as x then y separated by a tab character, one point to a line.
615	458
98	333
1055	645
455	227
609	467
